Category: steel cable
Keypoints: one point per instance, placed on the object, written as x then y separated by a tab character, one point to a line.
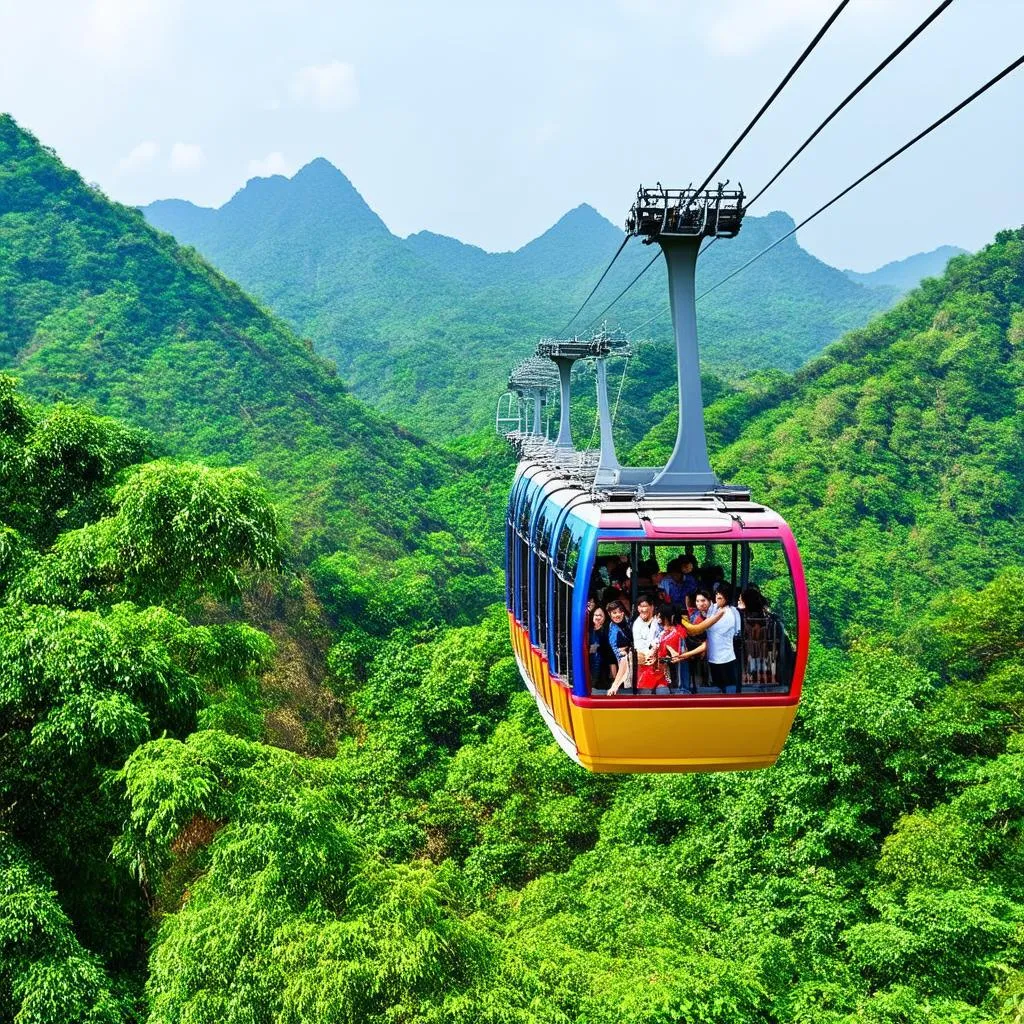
864	177
866	82
598	285
771	99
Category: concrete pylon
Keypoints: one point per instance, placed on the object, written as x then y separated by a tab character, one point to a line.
609	469
688	468
565	379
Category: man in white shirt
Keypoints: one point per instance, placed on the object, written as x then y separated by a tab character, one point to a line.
646	634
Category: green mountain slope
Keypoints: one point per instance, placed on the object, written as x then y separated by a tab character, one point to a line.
896	455
97	305
427	327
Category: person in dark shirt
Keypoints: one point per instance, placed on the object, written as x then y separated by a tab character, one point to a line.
687	579
601	656
692	667
671	585
620	639
759	652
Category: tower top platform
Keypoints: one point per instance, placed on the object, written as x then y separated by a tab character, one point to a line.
601	343
685	213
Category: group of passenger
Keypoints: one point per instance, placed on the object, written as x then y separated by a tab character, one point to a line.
683	633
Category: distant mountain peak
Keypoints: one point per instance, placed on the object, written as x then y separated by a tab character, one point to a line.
903	275
778	218
584	208
583	215
320	168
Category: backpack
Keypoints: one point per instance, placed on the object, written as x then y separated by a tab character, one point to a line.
737	633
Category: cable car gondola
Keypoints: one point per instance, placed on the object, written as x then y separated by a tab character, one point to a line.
570	513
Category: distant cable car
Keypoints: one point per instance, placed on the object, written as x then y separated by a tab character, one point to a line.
575	516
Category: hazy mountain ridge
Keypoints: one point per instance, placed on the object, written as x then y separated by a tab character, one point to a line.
902	275
427	327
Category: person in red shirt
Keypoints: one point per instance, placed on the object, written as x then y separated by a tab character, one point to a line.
654	676
672	647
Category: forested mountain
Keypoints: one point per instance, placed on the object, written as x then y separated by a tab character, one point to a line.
903	275
426	327
456	866
166	855
97	305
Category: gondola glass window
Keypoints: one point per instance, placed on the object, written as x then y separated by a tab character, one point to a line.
567	556
542	564
765	645
521	552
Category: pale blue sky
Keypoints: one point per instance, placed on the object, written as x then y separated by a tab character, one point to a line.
489	121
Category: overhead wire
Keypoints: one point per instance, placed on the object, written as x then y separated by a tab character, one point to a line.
771	99
732	149
653	260
850	96
618	394
598	285
859	88
1009	69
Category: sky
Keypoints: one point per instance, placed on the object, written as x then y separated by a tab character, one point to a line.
489	121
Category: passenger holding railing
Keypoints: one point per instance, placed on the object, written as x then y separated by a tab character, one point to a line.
721	626
620	639
646	633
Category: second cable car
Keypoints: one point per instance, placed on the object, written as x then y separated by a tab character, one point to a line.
572	515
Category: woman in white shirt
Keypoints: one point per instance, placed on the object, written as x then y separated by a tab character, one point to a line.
721	626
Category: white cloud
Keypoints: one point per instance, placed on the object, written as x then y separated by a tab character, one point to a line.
547	131
326	86
272	163
139	158
186	157
126	29
742	26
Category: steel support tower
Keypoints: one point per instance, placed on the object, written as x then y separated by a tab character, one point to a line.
679	220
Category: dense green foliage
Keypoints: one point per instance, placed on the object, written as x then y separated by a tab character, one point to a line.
427	328
103	557
451	868
163	858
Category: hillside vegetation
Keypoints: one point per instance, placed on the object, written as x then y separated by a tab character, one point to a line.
97	305
164	858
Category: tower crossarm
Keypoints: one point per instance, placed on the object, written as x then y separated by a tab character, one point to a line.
685	213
